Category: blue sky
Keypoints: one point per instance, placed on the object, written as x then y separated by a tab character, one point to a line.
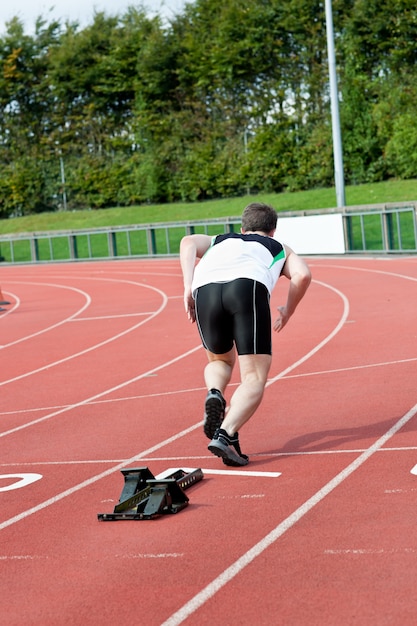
81	10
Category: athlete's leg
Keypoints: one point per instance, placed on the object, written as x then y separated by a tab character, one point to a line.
217	375
245	400
218	370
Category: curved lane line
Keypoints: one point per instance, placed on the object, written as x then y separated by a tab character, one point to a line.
15	306
98	345
64	321
365	269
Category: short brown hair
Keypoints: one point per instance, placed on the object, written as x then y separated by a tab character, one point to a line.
259	216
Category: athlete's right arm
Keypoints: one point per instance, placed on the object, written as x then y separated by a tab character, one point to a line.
299	275
192	247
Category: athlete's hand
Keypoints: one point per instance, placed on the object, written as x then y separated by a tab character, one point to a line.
189	304
282	319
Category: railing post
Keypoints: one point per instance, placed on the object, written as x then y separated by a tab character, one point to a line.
348	232
111	239
387	230
34	249
72	240
151	240
415	224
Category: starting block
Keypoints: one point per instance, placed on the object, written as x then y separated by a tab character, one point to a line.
146	497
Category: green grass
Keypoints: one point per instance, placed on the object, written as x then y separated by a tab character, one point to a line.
375	193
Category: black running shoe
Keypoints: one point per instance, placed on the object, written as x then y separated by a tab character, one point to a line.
222	446
234	441
214	408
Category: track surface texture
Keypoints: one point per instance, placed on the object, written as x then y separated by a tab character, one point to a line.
100	371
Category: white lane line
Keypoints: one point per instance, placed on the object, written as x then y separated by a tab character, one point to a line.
22	557
356	551
353	368
111	317
10	309
218	583
236	472
81	557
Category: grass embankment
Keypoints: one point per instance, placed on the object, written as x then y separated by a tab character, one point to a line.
373	193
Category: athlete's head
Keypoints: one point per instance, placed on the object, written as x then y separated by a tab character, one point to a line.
259	217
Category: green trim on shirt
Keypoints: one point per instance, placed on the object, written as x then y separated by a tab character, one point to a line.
279	256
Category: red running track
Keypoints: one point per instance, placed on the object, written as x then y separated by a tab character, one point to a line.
100	370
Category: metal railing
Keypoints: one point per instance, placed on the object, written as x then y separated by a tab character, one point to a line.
389	228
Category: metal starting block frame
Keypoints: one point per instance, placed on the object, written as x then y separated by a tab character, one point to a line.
146	497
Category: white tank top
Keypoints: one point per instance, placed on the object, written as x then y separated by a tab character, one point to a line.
235	255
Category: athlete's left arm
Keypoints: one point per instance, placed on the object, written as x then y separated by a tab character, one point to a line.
192	247
299	275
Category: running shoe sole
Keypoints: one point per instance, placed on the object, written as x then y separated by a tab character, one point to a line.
227	454
214	414
226	461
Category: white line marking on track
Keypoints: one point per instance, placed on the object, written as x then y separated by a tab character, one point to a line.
414	470
32	557
111	317
21	557
164	555
400	490
10	309
251	496
218	583
24	480
220	472
352	368
373	551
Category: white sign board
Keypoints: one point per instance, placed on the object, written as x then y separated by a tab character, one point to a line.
314	234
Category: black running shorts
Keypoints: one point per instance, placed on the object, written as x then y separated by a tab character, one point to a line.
236	312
